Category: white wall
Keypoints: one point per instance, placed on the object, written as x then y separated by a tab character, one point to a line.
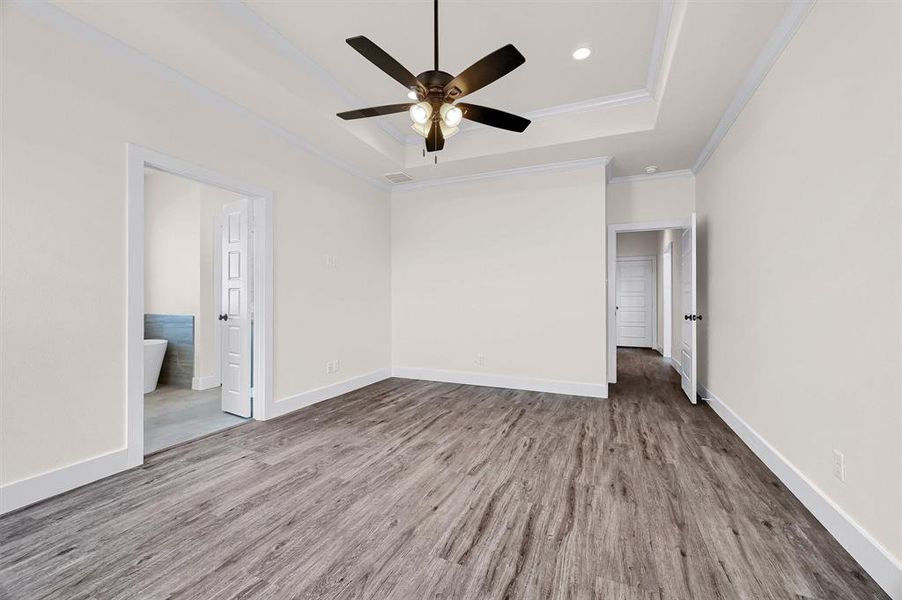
800	261
510	268
638	243
171	245
68	109
650	199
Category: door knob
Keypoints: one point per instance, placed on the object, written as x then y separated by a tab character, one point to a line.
685	317
224	317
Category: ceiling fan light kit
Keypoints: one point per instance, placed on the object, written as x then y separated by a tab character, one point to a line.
421	113
437	114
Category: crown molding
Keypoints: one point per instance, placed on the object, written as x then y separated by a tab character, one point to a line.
662	30
568	165
620	99
653	176
792	19
62	20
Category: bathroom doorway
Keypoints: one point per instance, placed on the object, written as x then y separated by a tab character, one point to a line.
199	262
196	247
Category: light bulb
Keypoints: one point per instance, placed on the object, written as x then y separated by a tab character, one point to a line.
581	53
451	115
412	95
421	112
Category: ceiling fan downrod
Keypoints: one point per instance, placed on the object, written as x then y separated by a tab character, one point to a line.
435	30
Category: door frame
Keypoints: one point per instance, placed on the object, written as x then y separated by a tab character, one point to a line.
611	279
667	300
217	301
138	159
654	296
215	380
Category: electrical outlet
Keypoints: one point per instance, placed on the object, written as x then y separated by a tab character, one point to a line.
331	260
480	360
336	366
328	367
839	465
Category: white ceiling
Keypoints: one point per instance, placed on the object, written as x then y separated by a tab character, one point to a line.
620	35
659	79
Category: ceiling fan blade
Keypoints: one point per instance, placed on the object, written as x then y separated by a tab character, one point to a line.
374	111
435	141
384	61
494	117
484	71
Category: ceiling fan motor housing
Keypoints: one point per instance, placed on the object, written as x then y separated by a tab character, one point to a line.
434	83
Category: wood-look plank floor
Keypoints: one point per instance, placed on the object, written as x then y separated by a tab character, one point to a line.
410	490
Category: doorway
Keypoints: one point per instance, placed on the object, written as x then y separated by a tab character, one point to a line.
651	294
199	302
197	243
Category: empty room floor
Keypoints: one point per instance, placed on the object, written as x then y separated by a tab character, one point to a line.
410	489
173	415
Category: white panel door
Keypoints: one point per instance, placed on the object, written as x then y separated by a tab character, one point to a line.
688	351
235	316
635	302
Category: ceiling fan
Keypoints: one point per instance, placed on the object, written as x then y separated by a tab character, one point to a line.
437	115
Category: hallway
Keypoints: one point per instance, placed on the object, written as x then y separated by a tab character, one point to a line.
411	489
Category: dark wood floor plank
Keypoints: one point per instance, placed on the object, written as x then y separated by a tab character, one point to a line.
408	489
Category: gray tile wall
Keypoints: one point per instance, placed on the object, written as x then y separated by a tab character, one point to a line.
178	363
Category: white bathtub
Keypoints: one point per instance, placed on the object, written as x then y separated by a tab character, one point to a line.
154	350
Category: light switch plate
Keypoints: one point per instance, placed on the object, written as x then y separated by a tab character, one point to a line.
839	465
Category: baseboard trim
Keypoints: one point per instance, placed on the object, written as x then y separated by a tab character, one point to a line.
298	401
553	386
870	554
24	492
206	382
677	366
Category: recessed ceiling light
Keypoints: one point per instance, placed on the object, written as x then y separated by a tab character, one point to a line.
412	95
651	169
581	53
